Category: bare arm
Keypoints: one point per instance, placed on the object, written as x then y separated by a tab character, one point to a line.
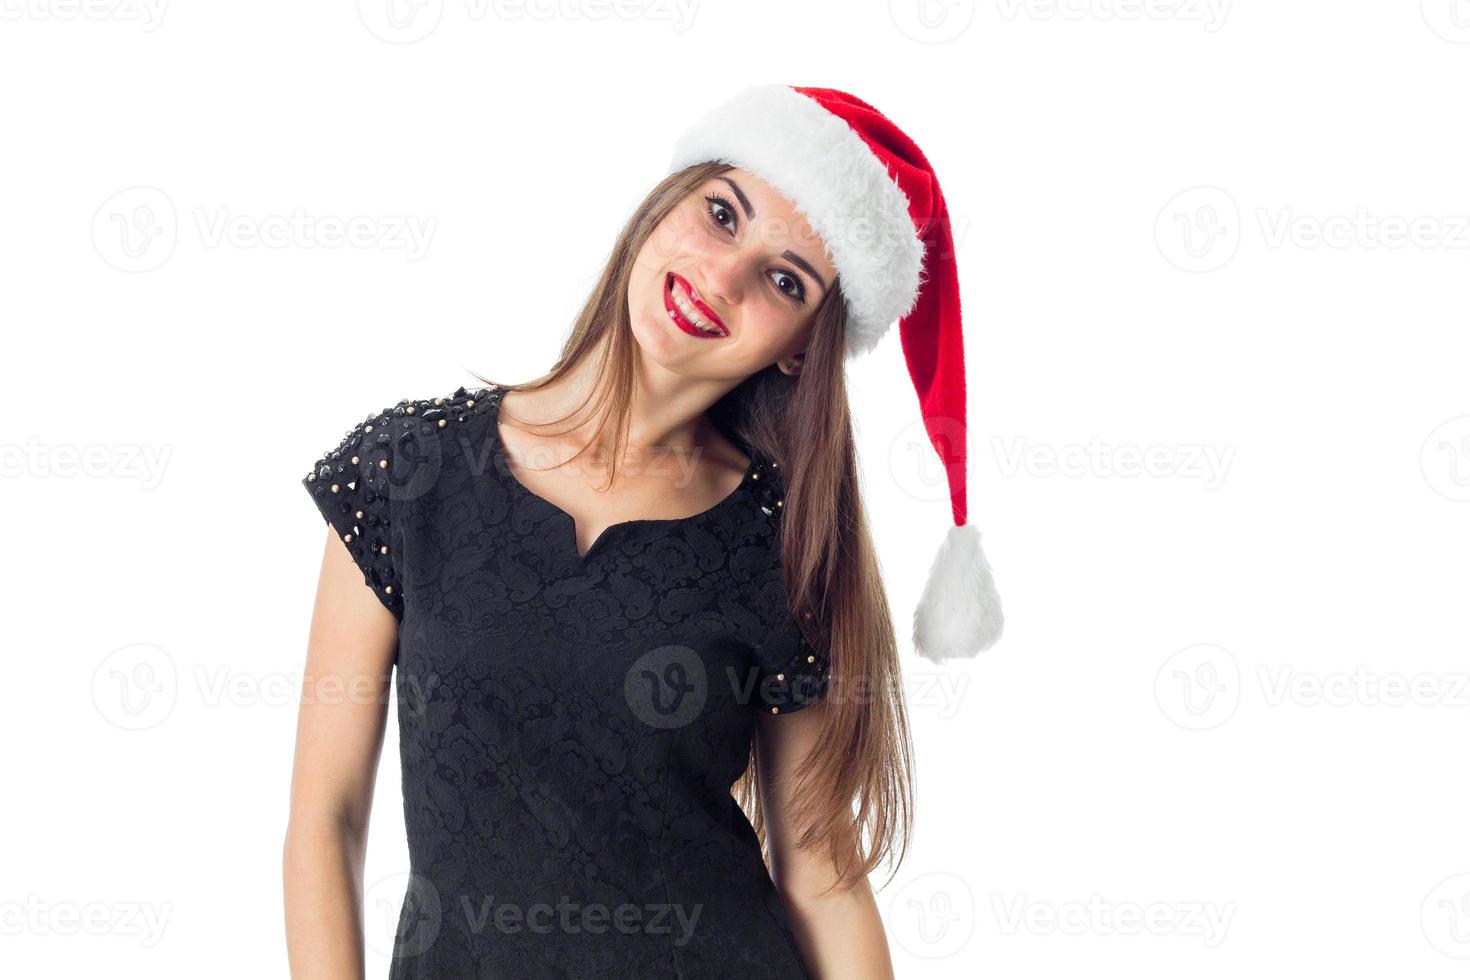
339	738
840	933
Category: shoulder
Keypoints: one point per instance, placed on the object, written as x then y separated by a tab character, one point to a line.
391	455
395	436
791	656
427	414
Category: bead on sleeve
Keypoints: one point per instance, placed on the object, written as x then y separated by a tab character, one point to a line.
389	458
793	673
356	504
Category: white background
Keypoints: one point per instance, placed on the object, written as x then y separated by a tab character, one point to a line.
1227	239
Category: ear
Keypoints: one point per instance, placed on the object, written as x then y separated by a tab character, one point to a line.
792	365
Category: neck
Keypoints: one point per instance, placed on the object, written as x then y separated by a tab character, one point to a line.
667	411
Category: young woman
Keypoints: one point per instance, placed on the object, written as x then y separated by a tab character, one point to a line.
649	711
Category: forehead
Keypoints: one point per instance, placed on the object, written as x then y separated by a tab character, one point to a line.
777	219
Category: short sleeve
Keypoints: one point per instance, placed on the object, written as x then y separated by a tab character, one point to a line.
792	673
350	486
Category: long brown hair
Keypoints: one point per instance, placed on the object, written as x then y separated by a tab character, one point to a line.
854	791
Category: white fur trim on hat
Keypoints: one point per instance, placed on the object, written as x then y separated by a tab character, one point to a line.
959	614
816	160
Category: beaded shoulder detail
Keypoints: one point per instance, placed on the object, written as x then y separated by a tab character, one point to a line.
795	674
394	455
382	458
371	441
770	490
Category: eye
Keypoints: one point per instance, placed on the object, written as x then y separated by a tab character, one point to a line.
716	206
799	291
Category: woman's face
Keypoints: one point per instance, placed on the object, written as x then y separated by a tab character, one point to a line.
742	272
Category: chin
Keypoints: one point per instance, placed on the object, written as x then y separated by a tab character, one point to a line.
657	341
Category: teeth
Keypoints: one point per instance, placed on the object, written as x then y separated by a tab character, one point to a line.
702	328
693	316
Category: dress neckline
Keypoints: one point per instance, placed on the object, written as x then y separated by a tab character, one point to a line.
502	465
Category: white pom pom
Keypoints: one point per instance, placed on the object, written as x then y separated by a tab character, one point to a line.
959	613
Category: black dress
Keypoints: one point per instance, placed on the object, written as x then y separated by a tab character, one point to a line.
570	726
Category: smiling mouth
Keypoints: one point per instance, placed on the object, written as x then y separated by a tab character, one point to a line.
688	312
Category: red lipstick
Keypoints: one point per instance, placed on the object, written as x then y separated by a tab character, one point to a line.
692	298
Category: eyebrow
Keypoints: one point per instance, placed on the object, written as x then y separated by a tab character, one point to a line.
788	254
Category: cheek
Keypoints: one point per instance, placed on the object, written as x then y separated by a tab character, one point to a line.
775	331
675	234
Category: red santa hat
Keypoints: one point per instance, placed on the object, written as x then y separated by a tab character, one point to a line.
869	192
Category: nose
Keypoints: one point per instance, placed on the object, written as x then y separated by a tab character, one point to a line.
718	278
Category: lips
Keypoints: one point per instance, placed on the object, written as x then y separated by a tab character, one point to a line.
689	297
